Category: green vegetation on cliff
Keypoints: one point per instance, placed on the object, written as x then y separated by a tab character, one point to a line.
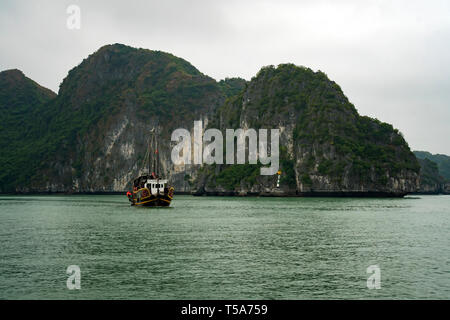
442	161
434	172
430	179
232	86
20	100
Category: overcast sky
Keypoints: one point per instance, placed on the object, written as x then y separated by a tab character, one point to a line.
391	58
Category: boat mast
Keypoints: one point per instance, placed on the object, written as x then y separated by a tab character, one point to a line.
148	150
153	163
156	157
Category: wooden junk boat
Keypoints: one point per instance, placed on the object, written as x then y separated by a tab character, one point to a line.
150	190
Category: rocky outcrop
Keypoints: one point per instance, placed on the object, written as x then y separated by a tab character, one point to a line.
326	147
92	137
134	91
432	180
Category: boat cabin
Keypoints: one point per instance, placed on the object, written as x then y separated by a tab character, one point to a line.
154	185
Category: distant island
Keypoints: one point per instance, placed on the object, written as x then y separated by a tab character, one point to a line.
91	136
434	173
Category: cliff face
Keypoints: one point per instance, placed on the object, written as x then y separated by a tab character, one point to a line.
434	173
97	129
326	147
430	179
93	136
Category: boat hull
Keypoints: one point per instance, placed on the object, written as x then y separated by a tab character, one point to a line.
153	201
143	198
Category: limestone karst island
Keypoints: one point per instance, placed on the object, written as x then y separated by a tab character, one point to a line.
92	136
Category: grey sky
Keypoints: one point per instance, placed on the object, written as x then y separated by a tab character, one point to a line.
391	58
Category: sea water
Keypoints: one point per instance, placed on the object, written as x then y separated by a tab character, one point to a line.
225	248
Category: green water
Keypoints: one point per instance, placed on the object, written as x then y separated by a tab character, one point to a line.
224	248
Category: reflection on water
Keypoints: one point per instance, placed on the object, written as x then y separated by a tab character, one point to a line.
224	248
